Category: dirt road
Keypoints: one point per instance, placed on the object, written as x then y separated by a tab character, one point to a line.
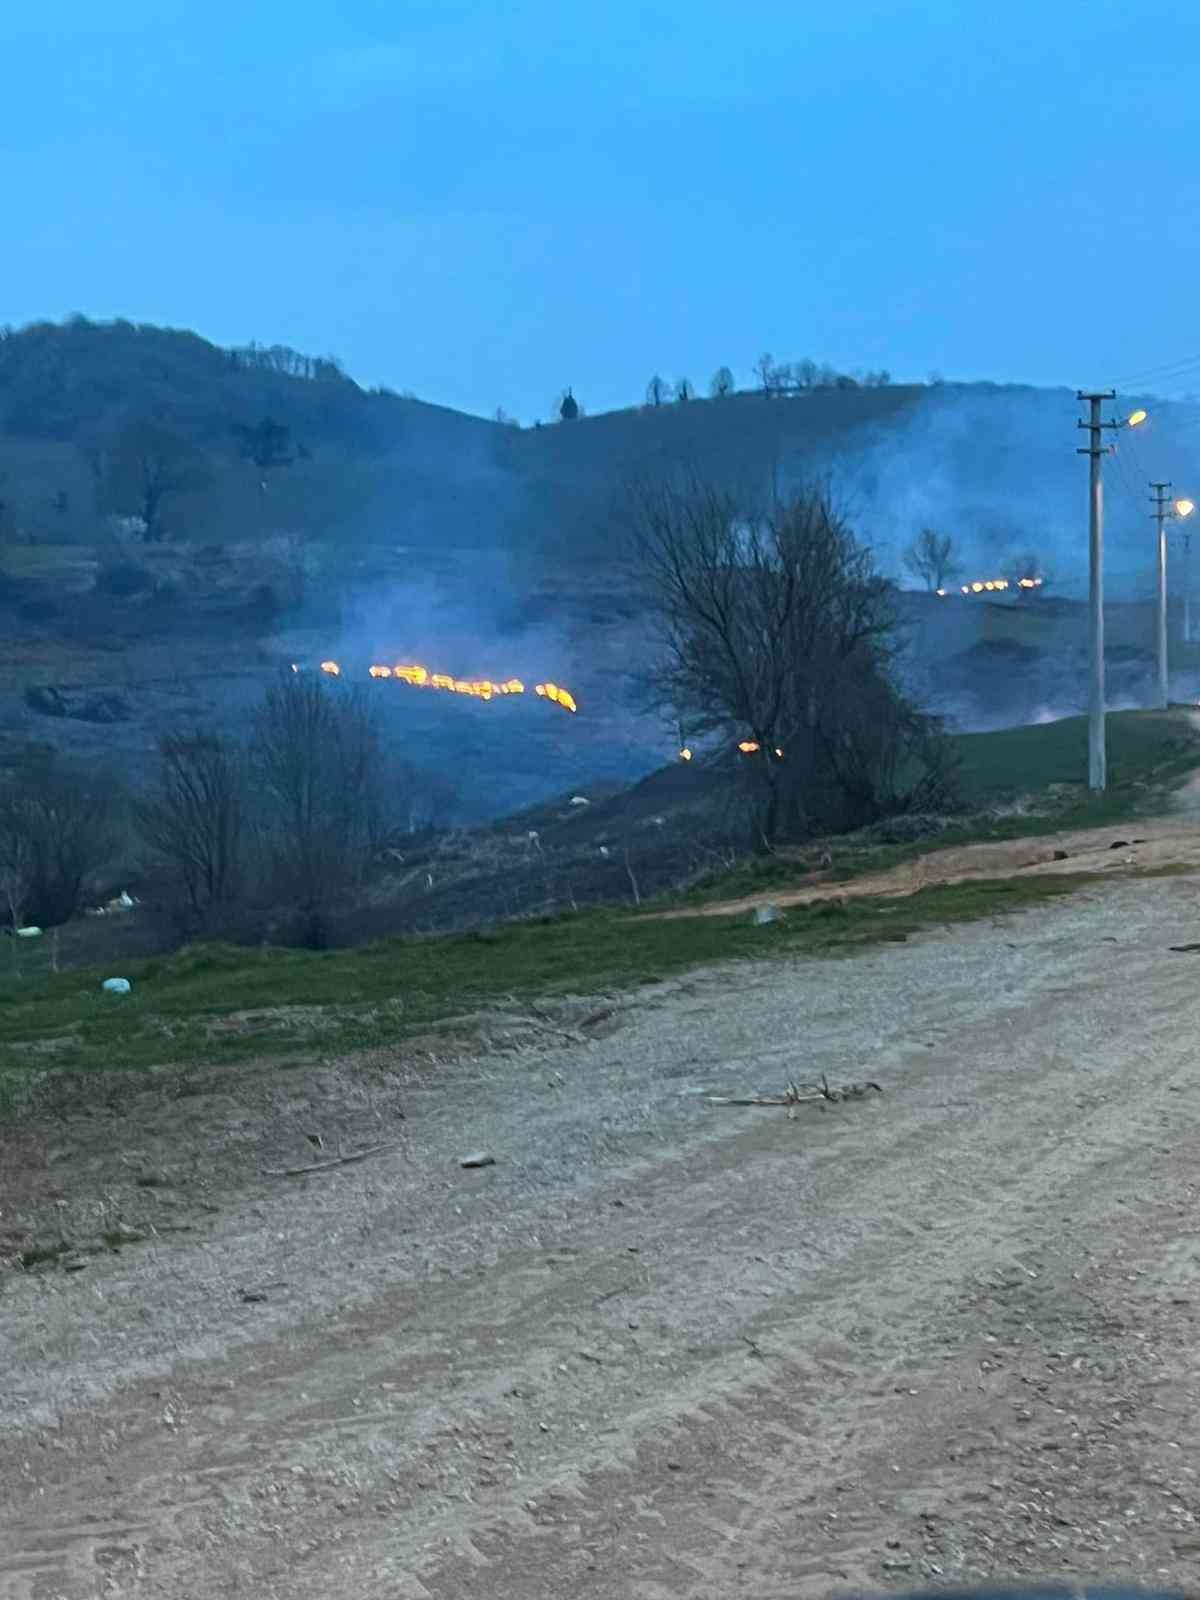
660	1349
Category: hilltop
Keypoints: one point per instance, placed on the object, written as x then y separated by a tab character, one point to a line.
311	517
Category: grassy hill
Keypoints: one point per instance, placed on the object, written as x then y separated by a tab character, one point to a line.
413	531
68	389
371	464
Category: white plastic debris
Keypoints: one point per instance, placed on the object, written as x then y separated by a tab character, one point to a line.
765	913
116	986
580	800
29	933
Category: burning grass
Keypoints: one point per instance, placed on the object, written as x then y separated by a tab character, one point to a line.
418	677
378	995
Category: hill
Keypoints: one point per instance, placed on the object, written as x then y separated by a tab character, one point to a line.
384	528
994	466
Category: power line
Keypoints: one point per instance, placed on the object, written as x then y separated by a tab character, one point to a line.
1147	373
1126	480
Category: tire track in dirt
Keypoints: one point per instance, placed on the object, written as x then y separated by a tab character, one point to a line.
913	1280
529	1438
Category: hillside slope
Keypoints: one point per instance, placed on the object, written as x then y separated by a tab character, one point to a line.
398	530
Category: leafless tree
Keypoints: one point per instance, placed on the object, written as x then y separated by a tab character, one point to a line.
775	632
656	391
16	872
144	468
932	557
721	385
684	390
58	827
194	820
804	373
317	766
765	372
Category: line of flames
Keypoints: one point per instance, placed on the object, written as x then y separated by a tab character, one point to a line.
748	747
478	688
994	585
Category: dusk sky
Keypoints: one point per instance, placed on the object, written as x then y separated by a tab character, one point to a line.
482	203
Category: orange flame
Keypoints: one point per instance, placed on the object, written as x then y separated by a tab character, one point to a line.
561	697
478	688
748	746
991	585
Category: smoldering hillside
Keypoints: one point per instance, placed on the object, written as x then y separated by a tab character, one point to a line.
396	531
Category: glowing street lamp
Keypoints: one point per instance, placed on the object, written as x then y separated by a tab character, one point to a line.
1164	507
1135	419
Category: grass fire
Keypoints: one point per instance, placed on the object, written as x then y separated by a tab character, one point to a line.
477	688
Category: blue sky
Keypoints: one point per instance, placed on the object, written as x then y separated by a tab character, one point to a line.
484	202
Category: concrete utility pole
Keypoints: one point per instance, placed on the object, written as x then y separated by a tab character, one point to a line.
1096	450
1187	587
1161	502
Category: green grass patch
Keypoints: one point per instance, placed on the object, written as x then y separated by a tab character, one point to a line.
1043	767
186	1010
213	1003
1143	746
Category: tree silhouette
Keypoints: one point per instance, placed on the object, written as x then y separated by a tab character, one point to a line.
144	468
268	444
931	556
656	391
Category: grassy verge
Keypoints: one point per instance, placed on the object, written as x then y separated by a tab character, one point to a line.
1036	768
215	1003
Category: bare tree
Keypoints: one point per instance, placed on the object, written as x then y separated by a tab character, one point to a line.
57	825
932	557
721	385
684	391
765	371
194	820
656	391
318	769
804	373
16	872
775	628
144	468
